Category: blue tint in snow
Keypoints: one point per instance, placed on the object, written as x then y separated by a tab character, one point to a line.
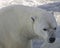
51	6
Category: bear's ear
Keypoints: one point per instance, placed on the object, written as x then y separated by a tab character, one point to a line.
33	18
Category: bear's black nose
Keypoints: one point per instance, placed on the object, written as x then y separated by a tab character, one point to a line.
51	40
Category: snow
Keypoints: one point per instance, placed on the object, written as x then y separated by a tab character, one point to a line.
25	2
49	5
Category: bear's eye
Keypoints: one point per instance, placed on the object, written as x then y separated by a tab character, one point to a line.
45	29
55	28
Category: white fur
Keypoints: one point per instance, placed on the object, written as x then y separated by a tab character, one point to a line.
17	26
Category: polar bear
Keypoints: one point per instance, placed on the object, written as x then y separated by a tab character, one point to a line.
19	24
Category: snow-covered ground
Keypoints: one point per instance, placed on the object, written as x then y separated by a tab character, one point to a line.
49	5
25	2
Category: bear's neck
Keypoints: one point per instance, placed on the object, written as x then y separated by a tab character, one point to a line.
19	41
24	42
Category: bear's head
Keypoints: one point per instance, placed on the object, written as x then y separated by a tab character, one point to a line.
45	26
